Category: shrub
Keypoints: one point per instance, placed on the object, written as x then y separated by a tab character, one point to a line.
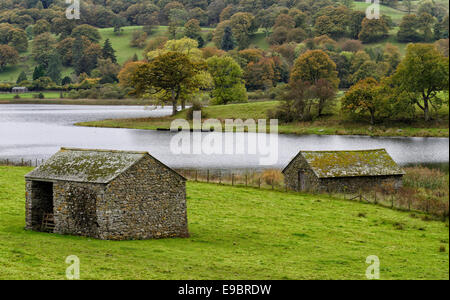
16	97
272	177
196	106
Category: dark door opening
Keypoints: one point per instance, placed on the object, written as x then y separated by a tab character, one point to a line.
42	206
301	181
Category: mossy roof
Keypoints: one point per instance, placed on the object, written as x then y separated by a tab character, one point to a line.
87	165
331	164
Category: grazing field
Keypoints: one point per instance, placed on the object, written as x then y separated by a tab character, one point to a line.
236	233
329	125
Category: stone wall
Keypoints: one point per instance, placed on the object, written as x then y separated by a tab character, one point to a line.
311	182
357	184
147	201
75	206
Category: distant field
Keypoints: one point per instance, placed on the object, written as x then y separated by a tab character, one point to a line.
395	14
236	233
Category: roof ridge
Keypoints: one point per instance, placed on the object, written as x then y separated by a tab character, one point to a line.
323	151
103	150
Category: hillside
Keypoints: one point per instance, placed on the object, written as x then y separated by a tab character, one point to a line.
236	233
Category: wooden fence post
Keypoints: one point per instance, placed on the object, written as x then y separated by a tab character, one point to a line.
232	179
259	182
207	176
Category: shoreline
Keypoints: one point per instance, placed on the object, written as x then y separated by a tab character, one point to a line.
163	124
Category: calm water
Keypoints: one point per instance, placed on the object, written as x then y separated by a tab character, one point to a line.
37	131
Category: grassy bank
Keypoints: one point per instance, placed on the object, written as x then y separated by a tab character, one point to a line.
329	125
237	233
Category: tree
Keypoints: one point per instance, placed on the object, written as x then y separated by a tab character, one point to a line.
108	52
193	30
167	76
228	42
409	29
363	98
41	27
43	46
22	77
242	25
88	31
8	56
127	71
314	65
373	30
422	74
39	71
228	83
325	92
54	67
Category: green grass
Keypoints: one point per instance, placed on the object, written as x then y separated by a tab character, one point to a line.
236	233
394	13
328	125
31	95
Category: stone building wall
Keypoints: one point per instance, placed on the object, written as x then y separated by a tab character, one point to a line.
339	184
356	184
75	208
146	201
311	182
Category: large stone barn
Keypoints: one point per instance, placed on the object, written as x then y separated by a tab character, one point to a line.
342	171
112	195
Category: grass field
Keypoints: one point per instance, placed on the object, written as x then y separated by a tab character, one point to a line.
236	233
395	14
258	110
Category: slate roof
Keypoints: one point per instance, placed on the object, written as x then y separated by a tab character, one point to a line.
88	165
332	164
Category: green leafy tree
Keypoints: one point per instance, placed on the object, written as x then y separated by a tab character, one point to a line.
22	77
43	46
108	52
167	76
363	98
39	71
55	67
228	42
373	30
228	83
423	73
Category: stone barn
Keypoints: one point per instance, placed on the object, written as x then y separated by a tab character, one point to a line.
341	171
111	195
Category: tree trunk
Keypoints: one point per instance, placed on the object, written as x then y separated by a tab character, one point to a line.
183	104
426	110
372	118
174	104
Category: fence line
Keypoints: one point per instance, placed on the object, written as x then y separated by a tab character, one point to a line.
387	196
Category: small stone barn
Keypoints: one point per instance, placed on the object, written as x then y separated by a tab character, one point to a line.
111	195
341	171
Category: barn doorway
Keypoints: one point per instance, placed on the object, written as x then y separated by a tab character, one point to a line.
301	181
42	206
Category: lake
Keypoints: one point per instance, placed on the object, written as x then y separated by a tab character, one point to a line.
33	132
